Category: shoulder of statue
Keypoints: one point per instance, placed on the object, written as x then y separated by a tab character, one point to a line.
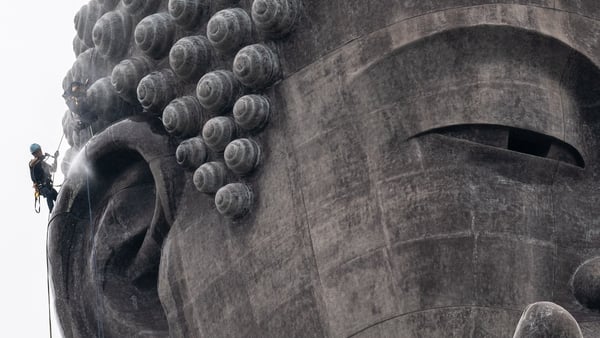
33	162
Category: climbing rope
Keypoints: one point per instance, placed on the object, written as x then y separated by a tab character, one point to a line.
37	208
99	302
48	283
55	159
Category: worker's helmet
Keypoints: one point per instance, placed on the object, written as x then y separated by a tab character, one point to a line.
76	86
34	147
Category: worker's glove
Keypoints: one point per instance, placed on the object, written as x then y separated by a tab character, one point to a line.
56	154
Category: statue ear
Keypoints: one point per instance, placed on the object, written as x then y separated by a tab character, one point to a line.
126	183
144	140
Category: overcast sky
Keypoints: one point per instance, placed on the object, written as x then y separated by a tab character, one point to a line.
36	52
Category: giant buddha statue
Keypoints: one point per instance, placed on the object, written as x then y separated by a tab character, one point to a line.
304	168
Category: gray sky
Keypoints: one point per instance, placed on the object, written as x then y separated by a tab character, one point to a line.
36	52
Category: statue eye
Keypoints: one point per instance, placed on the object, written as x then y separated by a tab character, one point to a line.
515	139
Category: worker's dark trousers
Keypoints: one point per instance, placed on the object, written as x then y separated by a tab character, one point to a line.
50	194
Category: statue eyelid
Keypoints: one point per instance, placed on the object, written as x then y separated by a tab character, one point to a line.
514	139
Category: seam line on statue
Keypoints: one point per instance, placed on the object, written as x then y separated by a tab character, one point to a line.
431	309
386	236
314	257
461	234
555	174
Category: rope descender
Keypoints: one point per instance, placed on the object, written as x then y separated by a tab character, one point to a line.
36	201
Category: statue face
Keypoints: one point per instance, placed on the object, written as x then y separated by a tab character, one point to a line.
434	174
435	179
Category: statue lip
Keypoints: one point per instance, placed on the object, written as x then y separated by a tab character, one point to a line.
524	141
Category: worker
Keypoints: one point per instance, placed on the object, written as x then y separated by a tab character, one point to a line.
41	174
76	99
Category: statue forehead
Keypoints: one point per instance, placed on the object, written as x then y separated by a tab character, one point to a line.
245	50
394	23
